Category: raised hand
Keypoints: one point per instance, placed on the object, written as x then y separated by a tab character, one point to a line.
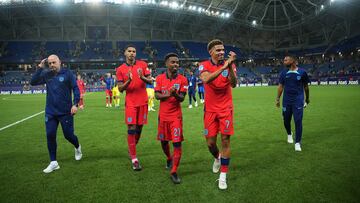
232	57
42	63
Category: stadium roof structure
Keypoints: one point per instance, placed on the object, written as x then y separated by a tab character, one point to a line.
249	24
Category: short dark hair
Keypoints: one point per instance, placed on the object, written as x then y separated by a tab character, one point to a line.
213	43
167	56
291	56
129	45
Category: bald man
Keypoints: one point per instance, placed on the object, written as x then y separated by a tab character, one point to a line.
60	85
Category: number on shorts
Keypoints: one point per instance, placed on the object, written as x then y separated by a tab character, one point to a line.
176	132
227	123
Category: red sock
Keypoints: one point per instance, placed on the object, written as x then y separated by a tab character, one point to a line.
110	100
132	146
137	138
166	150
224	168
107	100
176	159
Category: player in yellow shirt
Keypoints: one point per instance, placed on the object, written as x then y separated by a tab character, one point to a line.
151	94
116	94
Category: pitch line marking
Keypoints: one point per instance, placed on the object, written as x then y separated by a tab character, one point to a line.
20	121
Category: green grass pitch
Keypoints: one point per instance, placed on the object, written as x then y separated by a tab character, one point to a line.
263	167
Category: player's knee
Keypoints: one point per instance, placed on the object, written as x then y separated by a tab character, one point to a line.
225	145
138	131
131	132
177	144
298	121
51	135
131	127
287	119
225	139
164	143
68	134
139	128
211	143
69	137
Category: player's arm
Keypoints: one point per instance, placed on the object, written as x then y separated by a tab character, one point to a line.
147	79
195	85
84	87
103	81
158	93
162	97
38	77
123	86
306	81
307	93
280	90
178	96
207	77
232	76
76	93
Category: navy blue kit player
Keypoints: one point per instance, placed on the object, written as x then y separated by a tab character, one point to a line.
293	82
192	80
60	85
201	90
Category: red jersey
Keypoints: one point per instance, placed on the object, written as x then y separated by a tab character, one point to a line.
81	85
218	96
136	91
170	109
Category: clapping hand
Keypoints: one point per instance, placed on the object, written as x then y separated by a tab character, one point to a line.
130	75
